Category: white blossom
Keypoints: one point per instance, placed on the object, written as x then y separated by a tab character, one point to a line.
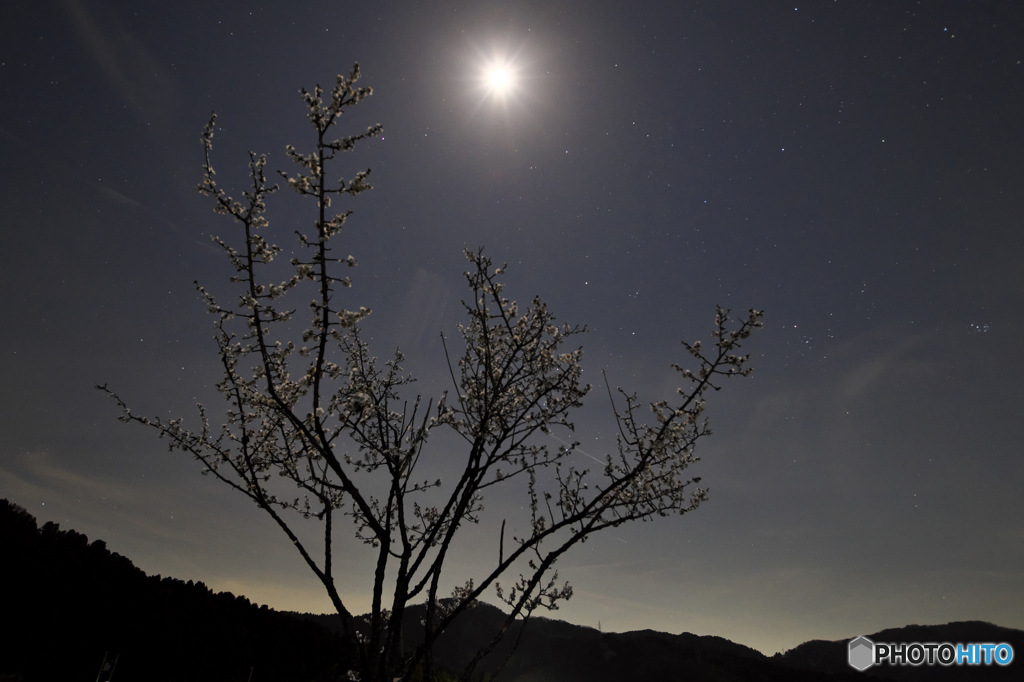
340	428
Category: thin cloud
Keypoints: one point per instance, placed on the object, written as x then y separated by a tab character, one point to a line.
128	66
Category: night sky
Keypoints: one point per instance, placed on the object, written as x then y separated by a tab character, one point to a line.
852	168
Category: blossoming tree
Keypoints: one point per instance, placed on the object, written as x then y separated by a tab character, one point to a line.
324	414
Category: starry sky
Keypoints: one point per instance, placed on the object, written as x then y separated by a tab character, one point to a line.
852	168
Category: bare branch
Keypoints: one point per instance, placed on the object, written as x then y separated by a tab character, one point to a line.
320	428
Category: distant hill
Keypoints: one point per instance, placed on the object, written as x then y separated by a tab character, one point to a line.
65	602
556	651
831	656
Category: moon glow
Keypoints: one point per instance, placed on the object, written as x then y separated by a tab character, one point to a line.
499	80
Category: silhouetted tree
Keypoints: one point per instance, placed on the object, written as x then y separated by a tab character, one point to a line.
340	430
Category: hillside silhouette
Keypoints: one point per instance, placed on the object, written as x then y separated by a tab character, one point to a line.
68	602
831	656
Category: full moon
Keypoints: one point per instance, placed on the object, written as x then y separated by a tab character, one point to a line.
499	79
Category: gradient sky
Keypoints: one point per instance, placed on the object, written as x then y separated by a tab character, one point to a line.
853	168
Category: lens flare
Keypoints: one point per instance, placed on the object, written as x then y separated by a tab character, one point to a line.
499	79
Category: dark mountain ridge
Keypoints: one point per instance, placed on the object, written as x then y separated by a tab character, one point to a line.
831	656
553	650
67	602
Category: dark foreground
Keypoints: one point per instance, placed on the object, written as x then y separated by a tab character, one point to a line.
66	603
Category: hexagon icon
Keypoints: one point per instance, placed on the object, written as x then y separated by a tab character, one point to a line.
861	653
